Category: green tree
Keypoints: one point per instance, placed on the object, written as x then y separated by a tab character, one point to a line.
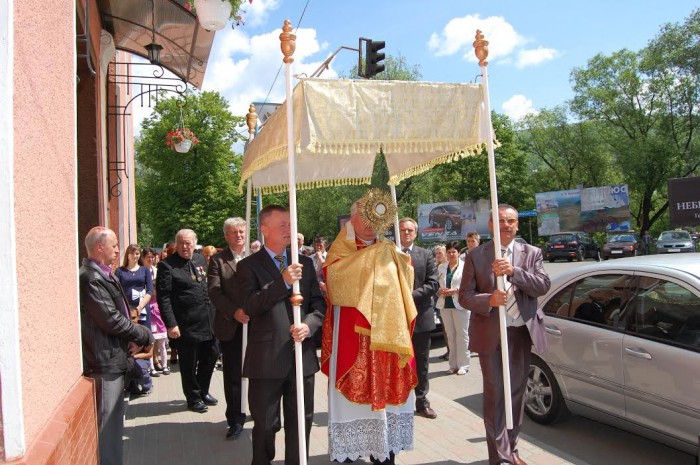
563	154
647	104
196	190
468	178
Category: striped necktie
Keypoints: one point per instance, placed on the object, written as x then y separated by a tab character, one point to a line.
511	305
280	260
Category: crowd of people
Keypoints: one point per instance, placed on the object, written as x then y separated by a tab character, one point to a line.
369	303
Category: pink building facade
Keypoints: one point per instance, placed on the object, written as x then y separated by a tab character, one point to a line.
66	165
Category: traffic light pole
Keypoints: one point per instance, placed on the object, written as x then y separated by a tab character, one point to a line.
327	62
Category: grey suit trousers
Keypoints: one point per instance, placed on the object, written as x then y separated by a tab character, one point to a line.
501	442
109	390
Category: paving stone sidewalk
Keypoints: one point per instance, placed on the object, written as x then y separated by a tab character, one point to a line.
160	430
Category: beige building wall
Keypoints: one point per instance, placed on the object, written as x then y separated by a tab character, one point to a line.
45	206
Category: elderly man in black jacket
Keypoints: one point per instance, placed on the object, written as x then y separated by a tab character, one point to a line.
106	332
188	315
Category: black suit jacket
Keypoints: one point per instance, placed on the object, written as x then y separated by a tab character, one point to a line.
270	350
184	301
425	285
225	293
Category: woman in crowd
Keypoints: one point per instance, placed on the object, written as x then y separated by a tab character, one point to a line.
455	319
440	258
160	333
137	283
208	251
169	249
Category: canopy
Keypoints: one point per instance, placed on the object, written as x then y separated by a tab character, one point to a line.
341	125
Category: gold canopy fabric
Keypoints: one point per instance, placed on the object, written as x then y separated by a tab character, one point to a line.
341	125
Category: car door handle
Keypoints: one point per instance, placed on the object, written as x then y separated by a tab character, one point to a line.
553	330
641	353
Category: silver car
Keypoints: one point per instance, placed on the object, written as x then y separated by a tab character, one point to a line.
624	348
675	242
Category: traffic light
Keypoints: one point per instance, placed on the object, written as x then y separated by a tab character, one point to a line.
374	64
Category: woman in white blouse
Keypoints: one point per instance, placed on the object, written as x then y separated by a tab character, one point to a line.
455	318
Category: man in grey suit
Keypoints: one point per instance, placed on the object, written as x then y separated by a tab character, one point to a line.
425	285
267	278
226	295
526	280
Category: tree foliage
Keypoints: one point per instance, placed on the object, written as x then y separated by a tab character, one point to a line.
196	190
646	104
564	154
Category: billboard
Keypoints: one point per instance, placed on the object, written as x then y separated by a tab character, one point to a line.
684	201
592	209
446	221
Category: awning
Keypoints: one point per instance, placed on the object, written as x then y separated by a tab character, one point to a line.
186	45
341	125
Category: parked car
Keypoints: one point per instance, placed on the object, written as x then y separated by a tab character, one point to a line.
622	245
445	216
571	245
675	242
624	341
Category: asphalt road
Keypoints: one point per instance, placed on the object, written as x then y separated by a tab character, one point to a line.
586	441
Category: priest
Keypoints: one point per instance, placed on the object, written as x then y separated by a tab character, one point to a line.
367	352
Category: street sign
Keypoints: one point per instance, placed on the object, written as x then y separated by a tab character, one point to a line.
526	213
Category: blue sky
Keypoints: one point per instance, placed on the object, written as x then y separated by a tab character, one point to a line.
534	45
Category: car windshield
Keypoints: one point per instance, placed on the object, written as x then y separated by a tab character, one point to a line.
621	238
452	208
562	238
674	236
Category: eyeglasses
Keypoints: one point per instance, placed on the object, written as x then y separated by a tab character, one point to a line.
509	221
407	230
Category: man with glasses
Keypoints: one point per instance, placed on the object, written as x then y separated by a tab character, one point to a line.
525	281
425	286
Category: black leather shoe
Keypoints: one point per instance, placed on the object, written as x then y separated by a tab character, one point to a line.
234	431
209	400
198	407
427	412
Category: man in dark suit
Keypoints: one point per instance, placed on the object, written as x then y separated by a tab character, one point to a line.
267	278
226	295
189	316
106	331
425	285
526	280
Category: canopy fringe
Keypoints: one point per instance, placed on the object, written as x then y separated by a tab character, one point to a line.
281	188
472	150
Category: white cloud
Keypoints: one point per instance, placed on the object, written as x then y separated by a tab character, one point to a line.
535	56
257	12
518	106
459	33
243	68
505	43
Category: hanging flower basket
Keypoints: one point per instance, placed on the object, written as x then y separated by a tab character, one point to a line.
181	140
213	14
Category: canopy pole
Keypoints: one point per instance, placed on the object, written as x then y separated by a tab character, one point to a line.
288	44
482	52
397	238
252	121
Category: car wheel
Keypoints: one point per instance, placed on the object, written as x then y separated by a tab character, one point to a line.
544	403
580	254
551	260
569	259
448	224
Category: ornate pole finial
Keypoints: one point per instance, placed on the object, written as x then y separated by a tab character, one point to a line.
251	119
288	42
481	48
